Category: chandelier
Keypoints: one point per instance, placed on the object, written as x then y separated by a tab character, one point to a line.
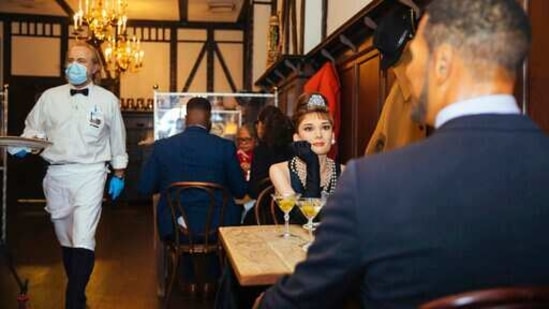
123	55
106	22
101	16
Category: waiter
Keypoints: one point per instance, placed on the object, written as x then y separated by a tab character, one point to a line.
84	124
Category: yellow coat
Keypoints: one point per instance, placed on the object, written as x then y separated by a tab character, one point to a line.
395	127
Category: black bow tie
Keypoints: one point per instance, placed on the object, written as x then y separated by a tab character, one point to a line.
81	91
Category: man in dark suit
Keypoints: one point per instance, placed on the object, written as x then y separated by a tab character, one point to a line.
466	208
193	155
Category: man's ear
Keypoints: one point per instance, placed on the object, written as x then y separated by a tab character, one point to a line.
296	137
94	68
443	57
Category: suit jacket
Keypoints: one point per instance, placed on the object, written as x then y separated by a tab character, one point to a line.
464	209
193	155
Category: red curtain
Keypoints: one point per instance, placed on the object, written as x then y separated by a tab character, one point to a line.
326	81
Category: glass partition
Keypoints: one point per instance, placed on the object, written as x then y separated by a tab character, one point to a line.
227	112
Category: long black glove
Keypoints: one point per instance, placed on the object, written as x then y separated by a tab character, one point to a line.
302	150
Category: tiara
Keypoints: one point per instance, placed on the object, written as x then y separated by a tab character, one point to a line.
316	101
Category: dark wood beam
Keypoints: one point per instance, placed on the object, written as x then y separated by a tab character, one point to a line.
199	59
66	7
173	59
293	26
225	68
274	7
210	44
300	48
184	10
324	19
248	45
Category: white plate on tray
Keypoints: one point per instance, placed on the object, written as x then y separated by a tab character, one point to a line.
18	141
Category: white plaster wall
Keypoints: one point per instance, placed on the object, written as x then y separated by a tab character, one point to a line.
313	25
232	55
187	53
261	30
155	70
339	11
24	61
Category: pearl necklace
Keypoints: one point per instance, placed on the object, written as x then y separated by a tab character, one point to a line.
328	177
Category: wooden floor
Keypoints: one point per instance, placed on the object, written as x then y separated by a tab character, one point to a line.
124	274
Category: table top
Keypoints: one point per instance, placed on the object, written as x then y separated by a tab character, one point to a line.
259	256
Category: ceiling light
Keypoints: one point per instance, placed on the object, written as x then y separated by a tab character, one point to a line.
221	6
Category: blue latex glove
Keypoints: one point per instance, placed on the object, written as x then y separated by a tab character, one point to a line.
21	153
116	185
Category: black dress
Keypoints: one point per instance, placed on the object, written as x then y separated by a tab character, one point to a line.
298	185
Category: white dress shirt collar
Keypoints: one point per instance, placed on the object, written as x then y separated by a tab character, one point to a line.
490	104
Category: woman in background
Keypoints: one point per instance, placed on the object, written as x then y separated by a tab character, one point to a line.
310	171
245	143
274	131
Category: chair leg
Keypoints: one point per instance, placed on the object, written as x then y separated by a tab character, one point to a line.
174	258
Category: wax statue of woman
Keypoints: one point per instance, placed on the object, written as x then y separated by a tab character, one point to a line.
310	171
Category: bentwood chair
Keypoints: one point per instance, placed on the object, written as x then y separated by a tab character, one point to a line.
265	208
501	298
198	240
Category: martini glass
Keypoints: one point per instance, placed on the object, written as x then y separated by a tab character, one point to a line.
310	225
310	207
286	202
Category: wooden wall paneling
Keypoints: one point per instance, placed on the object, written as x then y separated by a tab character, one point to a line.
370	99
538	65
347	134
361	102
289	91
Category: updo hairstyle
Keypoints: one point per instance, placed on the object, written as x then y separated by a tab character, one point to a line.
309	103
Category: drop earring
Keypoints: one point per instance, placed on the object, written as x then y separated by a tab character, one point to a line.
333	141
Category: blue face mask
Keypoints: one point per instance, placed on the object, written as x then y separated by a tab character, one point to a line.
76	73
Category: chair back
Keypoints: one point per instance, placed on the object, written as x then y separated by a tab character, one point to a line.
198	231
502	298
265	207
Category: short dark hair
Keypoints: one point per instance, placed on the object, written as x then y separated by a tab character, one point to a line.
486	32
199	103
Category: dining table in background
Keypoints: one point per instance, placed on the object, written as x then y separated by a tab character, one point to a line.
259	256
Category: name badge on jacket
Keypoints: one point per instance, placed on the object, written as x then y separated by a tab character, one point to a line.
96	117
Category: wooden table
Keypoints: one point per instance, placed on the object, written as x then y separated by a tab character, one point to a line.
258	255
